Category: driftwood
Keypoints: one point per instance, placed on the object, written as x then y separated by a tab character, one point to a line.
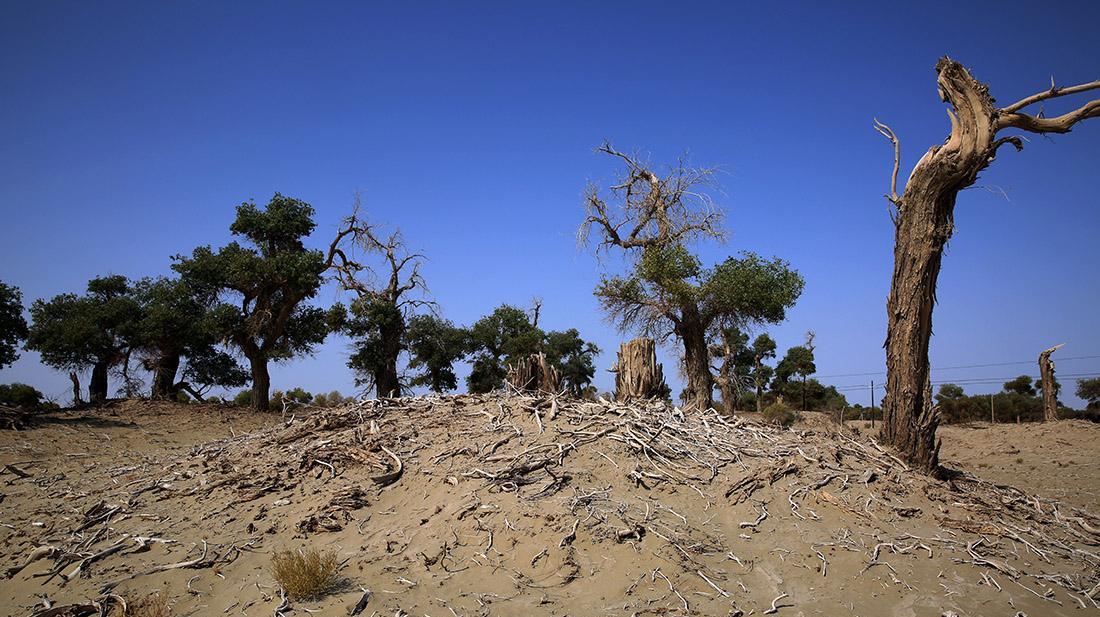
638	375
534	374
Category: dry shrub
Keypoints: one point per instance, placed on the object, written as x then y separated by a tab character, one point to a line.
305	575
152	605
778	413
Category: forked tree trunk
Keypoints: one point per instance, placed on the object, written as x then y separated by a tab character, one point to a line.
1050	394
164	376
638	375
924	224
698	394
97	387
534	373
261	383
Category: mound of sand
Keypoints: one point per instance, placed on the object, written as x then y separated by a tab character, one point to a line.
494	505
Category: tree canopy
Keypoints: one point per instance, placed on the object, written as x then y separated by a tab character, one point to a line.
435	344
13	327
262	287
91	331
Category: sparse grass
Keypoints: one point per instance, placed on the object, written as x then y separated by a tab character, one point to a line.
305	574
1019	459
152	605
778	413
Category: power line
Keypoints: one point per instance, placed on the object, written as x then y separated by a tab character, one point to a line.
948	368
973	381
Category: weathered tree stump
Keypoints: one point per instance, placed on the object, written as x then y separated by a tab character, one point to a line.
1050	394
637	373
534	373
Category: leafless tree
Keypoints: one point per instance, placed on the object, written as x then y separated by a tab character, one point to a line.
384	300
924	221
652	210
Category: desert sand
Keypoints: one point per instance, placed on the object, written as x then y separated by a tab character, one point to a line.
535	506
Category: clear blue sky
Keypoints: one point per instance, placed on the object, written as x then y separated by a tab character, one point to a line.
128	132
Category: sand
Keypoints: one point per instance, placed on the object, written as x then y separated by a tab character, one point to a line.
568	510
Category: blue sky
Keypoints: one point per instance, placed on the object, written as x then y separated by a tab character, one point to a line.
128	132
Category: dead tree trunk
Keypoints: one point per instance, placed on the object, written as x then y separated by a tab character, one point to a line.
638	375
924	223
77	399
1050	394
534	374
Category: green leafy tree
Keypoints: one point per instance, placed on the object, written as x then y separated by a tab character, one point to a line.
263	287
497	339
380	313
735	367
23	396
573	357
93	331
763	349
176	323
798	361
435	344
1020	385
1089	389
13	327
668	292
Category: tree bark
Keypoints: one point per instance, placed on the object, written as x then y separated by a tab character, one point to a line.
164	376
923	225
261	383
97	387
1050	396
692	331
638	375
387	381
77	399
534	373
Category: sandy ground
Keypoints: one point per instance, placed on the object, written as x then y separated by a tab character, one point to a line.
462	532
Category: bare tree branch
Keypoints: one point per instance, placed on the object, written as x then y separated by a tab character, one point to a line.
888	133
1054	92
656	210
1059	124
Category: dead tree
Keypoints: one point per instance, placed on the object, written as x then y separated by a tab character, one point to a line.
653	213
534	374
638	375
384	301
1050	390
923	218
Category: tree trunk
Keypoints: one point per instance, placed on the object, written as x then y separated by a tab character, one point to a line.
1050	396
77	399
698	394
638	375
387	381
534	373
924	223
164	376
97	387
261	383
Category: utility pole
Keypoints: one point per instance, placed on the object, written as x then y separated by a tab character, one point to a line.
992	418
872	403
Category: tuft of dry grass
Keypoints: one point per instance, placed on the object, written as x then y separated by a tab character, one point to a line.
152	605
307	574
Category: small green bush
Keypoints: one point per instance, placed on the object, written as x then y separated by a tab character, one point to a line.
305	575
243	398
778	413
23	396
